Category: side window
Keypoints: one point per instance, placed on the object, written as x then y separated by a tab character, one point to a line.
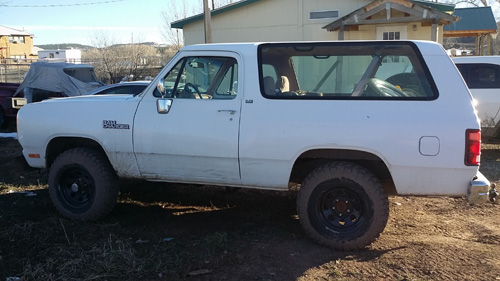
228	87
481	75
354	70
202	78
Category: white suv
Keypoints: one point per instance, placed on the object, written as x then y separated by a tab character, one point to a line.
351	122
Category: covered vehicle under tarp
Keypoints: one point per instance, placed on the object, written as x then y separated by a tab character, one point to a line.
47	80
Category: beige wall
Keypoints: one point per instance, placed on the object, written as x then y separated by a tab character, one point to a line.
286	20
271	20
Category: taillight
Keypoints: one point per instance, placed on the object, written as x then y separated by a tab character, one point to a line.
472	147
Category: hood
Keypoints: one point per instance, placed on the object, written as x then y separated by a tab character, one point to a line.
90	98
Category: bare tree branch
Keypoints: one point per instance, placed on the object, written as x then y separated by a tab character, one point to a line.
475	3
175	12
113	62
173	35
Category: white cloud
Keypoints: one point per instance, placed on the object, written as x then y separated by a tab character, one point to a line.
79	28
59	34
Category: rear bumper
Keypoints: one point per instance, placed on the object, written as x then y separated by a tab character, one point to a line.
479	189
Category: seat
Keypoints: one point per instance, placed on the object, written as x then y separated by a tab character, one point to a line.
283	84
269	86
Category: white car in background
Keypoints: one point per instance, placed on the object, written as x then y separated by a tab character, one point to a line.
482	75
124	88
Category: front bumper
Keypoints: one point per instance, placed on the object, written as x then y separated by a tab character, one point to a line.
479	189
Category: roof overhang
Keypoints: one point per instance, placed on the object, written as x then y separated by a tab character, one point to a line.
468	33
412	12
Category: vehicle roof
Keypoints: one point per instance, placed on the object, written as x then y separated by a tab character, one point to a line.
131	83
428	47
477	59
63	65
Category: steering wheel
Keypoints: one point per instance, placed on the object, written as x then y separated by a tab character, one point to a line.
385	89
409	82
192	86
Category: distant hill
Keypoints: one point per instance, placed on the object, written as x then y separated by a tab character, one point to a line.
64	46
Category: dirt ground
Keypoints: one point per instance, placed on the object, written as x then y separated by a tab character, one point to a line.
187	232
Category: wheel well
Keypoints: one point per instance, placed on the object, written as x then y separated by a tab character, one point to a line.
61	144
312	159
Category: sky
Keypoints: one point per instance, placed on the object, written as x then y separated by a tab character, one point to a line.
78	21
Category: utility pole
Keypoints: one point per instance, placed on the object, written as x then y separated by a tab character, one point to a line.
208	22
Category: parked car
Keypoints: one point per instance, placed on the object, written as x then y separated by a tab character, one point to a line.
125	88
49	80
482	75
8	104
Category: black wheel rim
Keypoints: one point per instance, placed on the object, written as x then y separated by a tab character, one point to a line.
340	210
76	188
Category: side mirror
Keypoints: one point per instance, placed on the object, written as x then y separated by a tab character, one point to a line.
163	105
161	88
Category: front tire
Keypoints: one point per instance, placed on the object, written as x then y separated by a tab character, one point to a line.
343	206
82	184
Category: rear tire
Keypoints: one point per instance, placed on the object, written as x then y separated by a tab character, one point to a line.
343	206
82	184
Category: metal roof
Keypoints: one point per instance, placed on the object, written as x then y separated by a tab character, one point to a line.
477	18
182	22
445	8
7	31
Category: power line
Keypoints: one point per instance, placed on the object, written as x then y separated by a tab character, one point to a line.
61	5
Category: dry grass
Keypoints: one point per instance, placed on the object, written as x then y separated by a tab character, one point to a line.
188	232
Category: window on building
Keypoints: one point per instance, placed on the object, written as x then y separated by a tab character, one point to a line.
318	15
392	32
392	35
18	58
16	39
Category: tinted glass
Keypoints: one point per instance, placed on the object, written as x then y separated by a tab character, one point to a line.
344	71
480	75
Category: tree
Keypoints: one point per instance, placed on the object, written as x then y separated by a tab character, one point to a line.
114	62
179	9
173	35
475	3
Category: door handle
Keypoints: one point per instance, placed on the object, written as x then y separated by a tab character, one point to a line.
232	112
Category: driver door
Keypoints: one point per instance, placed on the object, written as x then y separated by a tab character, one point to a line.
197	139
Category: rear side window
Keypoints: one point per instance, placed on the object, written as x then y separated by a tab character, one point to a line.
83	74
347	70
480	75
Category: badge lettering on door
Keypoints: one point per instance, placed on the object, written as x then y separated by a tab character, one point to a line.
111	124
